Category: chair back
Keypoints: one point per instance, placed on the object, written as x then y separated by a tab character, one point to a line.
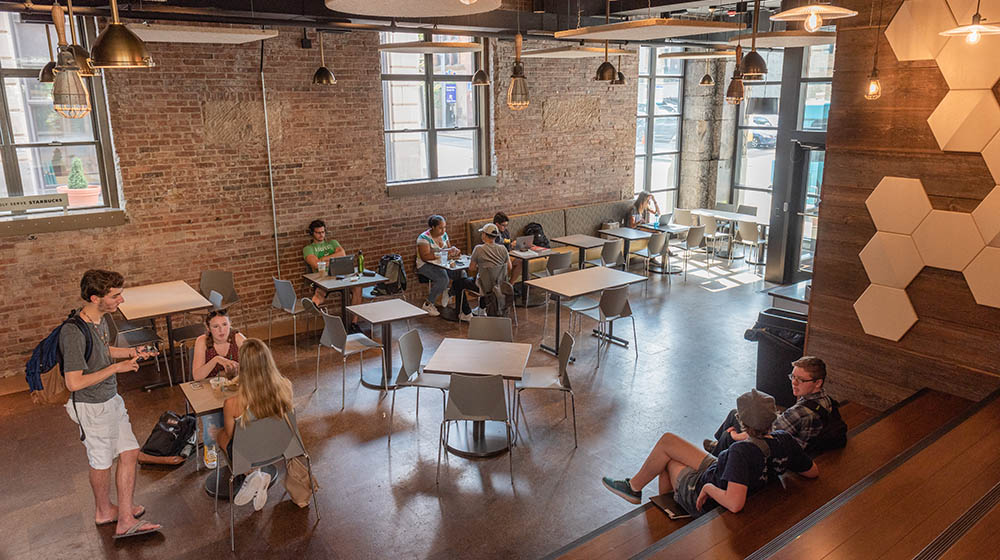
747	209
564	270
265	441
711	225
725	207
489	277
284	295
220	281
334	336
310	306
612	252
559	261
683	217
565	351
476	397
497	329
504	292
656	243
410	352
695	236
215	298
614	302
748	231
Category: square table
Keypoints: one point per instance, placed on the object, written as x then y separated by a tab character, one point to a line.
732	218
331	284
479	357
582	282
453	265
384	313
582	242
162	299
526	257
627	235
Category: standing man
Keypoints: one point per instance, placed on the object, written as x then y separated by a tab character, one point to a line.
98	408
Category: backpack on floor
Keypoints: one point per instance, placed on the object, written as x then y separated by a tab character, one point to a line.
170	435
391	266
834	432
535	229
47	354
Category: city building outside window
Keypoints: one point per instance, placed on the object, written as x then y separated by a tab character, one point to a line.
658	126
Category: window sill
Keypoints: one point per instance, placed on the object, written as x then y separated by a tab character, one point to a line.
46	223
414	188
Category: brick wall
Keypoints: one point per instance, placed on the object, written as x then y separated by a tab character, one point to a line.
190	143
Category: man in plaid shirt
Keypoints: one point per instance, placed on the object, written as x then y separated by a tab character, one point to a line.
807	377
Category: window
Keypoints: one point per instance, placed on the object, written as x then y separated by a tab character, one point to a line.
38	147
432	113
756	137
817	85
658	126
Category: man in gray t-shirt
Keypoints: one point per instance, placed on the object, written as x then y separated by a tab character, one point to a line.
489	262
96	405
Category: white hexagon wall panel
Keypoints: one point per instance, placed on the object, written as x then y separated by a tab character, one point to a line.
991	153
898	204
966	120
948	240
913	33
983	277
891	259
885	312
970	68
987	217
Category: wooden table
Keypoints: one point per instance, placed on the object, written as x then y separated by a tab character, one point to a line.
161	300
732	218
479	357
627	235
582	282
453	265
526	257
329	283
384	313
671	230
582	242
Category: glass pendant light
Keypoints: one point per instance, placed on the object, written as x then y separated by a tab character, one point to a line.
323	74
118	47
753	68
974	32
814	15
47	75
735	91
517	92
69	94
874	90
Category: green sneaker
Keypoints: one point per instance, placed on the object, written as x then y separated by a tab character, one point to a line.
623	489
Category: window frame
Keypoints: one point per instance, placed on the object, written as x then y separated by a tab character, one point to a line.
650	117
740	130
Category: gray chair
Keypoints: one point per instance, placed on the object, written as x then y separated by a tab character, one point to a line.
491	328
476	398
549	378
713	235
411	374
189	333
556	261
657	247
548	296
748	234
137	338
611	254
260	443
695	236
506	299
222	282
725	207
613	306
684	217
285	300
335	336
747	209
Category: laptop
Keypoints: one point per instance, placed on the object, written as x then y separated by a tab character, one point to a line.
670	506
524	243
341	266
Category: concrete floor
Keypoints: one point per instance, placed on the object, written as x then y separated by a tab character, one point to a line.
381	501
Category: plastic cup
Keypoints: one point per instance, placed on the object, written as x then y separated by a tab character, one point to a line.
216	382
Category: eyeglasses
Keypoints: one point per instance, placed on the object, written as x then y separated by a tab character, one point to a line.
794	379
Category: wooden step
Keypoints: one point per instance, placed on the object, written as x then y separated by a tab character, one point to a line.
980	541
904	511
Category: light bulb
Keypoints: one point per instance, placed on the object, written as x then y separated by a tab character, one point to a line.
973	37
874	89
467	2
813	22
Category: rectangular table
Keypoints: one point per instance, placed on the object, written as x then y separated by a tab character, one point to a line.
526	257
162	299
627	235
384	313
582	282
329	283
453	265
202	399
582	242
479	357
732	218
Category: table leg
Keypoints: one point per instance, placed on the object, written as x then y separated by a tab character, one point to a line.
170	355
477	441
626	259
373	380
545	347
583	257
524	282
343	308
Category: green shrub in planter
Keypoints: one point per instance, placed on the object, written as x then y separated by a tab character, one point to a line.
77	180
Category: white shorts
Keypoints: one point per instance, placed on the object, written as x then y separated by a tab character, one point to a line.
107	429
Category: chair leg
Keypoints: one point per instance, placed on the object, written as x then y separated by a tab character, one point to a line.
310	469
269	327
232	516
295	338
218	468
573	399
418	402
316	387
343	382
635	339
437	479
392	411
510	454
564	405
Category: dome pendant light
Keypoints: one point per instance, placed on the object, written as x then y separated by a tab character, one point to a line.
707	79
323	74
81	54
812	15
47	75
973	33
69	94
753	68
620	80
480	78
874	90
517	92
118	47
735	91
606	71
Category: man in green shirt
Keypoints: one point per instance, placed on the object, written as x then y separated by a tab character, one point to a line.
322	250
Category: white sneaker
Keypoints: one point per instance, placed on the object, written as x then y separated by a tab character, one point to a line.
260	497
430	308
249	489
479	312
465	317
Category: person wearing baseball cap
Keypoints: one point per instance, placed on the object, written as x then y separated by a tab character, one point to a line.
699	481
489	263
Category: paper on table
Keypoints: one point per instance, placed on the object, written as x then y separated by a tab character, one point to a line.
524	254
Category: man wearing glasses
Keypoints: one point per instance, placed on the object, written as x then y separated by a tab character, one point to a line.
799	420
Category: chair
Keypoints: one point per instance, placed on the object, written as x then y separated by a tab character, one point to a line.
725	207
613	306
747	209
285	300
335	336
477	398
497	329
555	261
135	338
505	292
219	281
695	236
748	234
685	217
657	246
411	374
611	254
713	234
260	443
183	335
549	378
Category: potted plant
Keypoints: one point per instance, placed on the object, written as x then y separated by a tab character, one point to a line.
80	192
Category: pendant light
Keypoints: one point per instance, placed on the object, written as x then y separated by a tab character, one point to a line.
468	2
323	74
874	90
118	47
974	32
707	79
735	91
480	78
517	92
606	71
81	54
620	80
69	94
812	15
753	68
47	75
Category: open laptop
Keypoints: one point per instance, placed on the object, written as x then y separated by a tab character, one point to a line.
524	243
341	266
669	506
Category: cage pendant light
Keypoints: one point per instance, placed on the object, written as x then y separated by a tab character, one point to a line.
974	32
69	94
753	68
517	92
323	74
874	89
118	47
735	91
47	75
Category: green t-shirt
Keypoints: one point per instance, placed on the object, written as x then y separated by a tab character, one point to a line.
320	249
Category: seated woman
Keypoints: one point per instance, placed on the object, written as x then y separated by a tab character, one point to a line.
643	209
263	392
215	353
429	244
502	221
322	250
700	481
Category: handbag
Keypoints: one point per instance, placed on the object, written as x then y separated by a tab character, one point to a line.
299	484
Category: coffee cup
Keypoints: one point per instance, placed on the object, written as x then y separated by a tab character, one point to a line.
216	382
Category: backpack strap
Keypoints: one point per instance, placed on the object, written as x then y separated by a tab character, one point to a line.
814	406
74	318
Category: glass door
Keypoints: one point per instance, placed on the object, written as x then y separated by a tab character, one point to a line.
812	182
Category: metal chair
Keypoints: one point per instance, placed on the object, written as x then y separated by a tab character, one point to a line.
714	234
183	335
685	217
549	378
477	398
505	291
285	300
747	209
695	236
222	282
135	338
261	442
557	261
613	306
491	328
611	254
335	336
411	374
725	207
654	248
748	234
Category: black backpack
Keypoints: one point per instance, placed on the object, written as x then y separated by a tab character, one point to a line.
47	354
535	229
170	434
834	432
391	266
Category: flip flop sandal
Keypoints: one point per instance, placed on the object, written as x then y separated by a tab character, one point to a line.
110	521
135	532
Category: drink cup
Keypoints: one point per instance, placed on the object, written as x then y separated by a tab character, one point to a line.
216	382
321	267
444	257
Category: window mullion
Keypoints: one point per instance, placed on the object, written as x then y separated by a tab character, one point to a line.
11	169
432	166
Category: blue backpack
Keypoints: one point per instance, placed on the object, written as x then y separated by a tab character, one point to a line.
47	354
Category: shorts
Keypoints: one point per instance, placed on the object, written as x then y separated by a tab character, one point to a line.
107	429
687	489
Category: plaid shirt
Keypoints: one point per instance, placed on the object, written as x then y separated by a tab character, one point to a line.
800	422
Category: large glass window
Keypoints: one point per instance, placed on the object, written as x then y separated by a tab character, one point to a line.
817	84
756	138
658	126
432	117
39	148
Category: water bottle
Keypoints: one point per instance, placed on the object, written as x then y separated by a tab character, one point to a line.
361	261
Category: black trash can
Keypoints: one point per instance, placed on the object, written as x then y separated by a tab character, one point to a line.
781	336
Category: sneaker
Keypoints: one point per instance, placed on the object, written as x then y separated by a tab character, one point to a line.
354	329
623	489
479	312
248	490
260	498
211	457
709	445
465	317
430	308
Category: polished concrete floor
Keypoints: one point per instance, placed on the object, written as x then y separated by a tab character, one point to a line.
379	500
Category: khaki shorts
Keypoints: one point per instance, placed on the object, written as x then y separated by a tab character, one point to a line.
107	429
687	489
